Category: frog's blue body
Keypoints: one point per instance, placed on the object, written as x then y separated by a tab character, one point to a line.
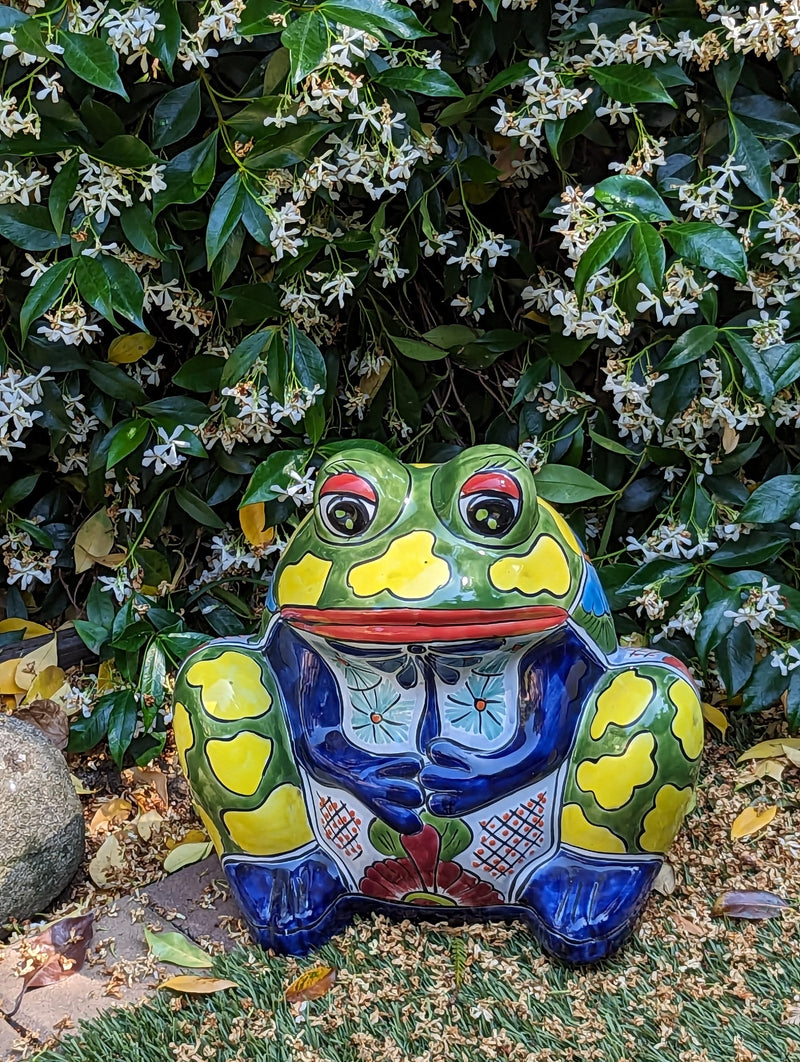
437	720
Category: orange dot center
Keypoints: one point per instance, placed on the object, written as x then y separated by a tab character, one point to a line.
376	717
480	704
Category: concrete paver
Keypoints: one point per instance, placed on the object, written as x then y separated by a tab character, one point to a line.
200	894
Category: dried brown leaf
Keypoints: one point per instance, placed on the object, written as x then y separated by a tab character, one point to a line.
110	813
753	904
313	984
61	952
49	718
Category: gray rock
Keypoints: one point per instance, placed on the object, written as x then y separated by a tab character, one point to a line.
41	822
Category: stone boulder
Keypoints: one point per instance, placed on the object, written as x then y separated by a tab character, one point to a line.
41	821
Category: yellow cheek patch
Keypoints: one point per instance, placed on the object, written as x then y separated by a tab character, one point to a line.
303	583
612	779
239	762
211	829
663	821
544	569
578	831
231	686
279	825
687	726
408	570
566	531
622	703
184	735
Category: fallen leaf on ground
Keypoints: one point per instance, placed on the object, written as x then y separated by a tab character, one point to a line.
109	857
110	813
688	926
665	880
148	823
152	777
46	684
176	949
191	837
36	662
79	787
58	952
766	749
8	680
751	820
48	717
183	855
313	984
753	904
197	986
791	754
716	718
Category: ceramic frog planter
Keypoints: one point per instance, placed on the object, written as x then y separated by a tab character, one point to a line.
438	719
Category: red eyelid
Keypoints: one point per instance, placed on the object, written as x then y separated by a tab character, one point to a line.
495	481
349	483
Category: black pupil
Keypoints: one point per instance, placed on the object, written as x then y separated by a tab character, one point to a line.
348	516
490	514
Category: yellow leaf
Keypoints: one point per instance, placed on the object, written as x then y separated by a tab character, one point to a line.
312	984
94	540
79	787
111	813
108	858
751	820
183	855
32	665
126	349
148	823
715	717
197	986
791	754
768	749
251	520
8	681
105	676
47	683
31	629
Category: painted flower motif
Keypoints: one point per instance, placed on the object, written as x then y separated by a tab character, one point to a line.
421	878
480	707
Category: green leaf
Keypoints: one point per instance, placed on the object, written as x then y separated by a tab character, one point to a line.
30	227
305	358
94	286
201	373
748	152
121	724
224	216
307	40
195	507
93	635
414	79
130	434
87	731
189	175
765	688
567	485
100	607
116	382
140	231
44	293
412	348
154	673
450	337
258	17
649	257
274	472
166	42
625	194
18	491
709	246
178	410
176	114
777	499
244	356
126	151
756	373
92	60
176	949
373	16
61	192
631	83
127	289
735	656
599	252
691	346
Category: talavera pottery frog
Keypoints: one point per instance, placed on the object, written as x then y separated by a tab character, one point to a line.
438	719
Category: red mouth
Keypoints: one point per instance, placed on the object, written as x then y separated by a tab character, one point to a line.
401	626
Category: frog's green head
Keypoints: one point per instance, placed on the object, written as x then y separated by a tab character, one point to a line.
413	553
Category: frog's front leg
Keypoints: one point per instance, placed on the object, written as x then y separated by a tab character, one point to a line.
235	750
630	781
387	785
554	682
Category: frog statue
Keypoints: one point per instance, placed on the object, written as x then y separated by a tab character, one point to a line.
437	720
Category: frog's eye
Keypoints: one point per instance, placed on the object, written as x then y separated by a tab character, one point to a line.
490	502
347	504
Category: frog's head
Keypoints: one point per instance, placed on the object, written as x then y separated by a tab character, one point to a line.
397	553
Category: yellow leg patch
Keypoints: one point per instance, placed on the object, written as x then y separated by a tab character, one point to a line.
409	570
567	534
578	831
622	703
211	829
543	569
278	825
302	583
184	735
231	686
687	726
239	762
663	821
612	779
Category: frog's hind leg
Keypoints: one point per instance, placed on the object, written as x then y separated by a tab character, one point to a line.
235	750
629	783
